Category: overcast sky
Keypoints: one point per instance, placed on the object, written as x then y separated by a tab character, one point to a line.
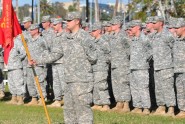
22	2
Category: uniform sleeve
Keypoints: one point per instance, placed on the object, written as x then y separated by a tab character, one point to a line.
51	56
90	50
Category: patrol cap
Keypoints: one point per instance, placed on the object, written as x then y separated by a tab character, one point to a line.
180	23
34	26
57	20
116	20
106	24
52	19
85	24
134	23
150	19
46	18
27	19
73	15
158	19
96	26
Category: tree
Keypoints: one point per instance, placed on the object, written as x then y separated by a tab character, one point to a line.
46	8
59	9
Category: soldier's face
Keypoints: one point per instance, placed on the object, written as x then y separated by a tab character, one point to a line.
179	31
57	27
95	33
72	24
149	26
115	27
45	24
157	25
27	25
34	32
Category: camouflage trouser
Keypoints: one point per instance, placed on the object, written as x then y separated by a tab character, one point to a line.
139	85
16	82
164	87
120	85
77	109
1	77
100	89
31	84
180	86
58	80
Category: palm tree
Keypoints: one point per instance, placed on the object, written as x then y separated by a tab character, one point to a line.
46	8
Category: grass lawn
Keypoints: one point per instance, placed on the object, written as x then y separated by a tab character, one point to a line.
12	114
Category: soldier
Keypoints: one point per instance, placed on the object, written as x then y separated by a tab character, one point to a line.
107	27
100	70
36	46
26	23
120	66
15	72
179	65
78	73
48	34
58	66
2	94
139	65
162	44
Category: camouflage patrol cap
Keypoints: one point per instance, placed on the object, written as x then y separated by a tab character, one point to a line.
57	20
46	18
96	26
180	23
158	19
73	15
106	24
150	19
27	19
116	20
85	24
34	26
52	19
134	23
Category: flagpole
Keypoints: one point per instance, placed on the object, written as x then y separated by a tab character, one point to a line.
36	79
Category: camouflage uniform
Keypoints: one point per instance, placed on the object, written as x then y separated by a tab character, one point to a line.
100	70
48	35
79	78
120	66
15	68
36	47
179	66
139	65
163	68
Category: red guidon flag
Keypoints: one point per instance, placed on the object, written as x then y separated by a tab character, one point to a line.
9	28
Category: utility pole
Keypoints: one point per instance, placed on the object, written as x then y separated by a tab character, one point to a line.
87	11
38	12
97	11
32	16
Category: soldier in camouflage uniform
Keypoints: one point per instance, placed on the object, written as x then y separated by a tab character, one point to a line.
100	70
58	66
15	72
78	73
162	44
2	94
48	34
36	46
27	36
139	65
179	64
120	66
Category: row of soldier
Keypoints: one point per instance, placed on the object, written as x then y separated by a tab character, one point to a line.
81	62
